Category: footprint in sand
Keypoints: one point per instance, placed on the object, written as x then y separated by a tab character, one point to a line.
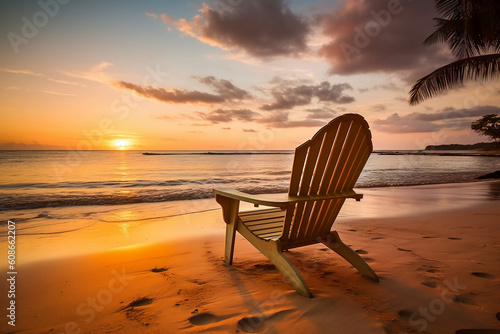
134	313
429	283
377	238
251	324
361	251
203	319
405	314
482	275
267	267
464	299
498	316
453	238
139	302
404	250
368	259
159	270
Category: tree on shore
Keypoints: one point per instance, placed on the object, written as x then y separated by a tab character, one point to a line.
471	28
489	126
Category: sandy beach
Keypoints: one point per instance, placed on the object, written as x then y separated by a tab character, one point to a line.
435	249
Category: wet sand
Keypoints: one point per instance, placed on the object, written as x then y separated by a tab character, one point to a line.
147	269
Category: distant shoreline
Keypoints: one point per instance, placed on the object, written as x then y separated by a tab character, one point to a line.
463	147
466	153
219	153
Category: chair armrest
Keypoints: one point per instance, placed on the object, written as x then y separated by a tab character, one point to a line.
281	202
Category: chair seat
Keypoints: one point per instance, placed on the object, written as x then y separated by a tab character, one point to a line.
265	224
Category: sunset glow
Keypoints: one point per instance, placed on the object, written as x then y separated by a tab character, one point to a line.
121	144
219	75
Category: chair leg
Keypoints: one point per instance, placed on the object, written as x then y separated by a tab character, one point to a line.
335	244
286	267
272	251
230	209
230	236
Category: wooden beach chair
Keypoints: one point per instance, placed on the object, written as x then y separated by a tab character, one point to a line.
324	171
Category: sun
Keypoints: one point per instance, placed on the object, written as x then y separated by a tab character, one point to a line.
121	144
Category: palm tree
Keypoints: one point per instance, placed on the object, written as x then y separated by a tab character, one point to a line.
471	28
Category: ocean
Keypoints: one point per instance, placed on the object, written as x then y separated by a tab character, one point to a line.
51	179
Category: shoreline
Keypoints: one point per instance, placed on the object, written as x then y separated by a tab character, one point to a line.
48	233
450	153
4	213
434	247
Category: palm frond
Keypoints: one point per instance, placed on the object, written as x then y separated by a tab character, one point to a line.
469	27
486	67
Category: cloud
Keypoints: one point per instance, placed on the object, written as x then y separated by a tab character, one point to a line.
226	91
321	113
64	82
261	28
249	130
26	72
36	74
306	123
225	116
57	93
175	96
280	119
224	88
287	94
96	73
450	118
153	15
381	36
379	107
164	117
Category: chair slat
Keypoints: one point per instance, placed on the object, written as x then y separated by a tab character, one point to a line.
344	155
288	222
299	208
324	155
258	224
266	226
333	159
310	165
270	236
364	155
331	215
254	212
258	217
306	220
297	168
350	163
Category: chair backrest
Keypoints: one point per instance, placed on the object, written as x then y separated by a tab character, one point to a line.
329	163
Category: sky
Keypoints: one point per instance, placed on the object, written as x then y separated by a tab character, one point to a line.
223	74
